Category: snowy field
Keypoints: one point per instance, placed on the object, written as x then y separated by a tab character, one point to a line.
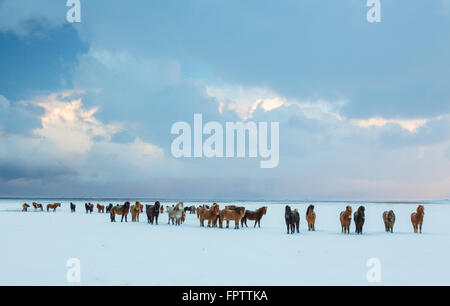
35	247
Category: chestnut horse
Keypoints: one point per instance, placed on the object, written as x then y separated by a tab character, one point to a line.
311	218
417	219
36	206
141	207
25	206
210	214
161	210
100	208
254	215
183	217
153	212
121	210
53	206
229	214
292	219
346	219
135	211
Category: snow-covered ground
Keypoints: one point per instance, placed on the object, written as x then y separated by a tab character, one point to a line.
35	247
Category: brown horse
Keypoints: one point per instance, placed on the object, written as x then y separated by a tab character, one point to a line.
140	206
135	211
100	208
210	214
346	219
25	207
389	220
417	219
36	206
229	214
198	210
53	206
161	210
311	218
254	215
121	210
183	216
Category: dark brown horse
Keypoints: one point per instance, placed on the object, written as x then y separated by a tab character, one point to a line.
292	219
153	212
359	218
108	208
389	220
89	207
72	207
254	215
122	210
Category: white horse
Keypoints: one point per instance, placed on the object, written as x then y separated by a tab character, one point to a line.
175	213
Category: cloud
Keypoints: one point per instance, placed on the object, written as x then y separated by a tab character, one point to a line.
20	16
358	105
69	128
69	143
409	125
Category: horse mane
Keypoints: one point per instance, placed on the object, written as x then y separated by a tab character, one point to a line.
261	210
310	207
239	210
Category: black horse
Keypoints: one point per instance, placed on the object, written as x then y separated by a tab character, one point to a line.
108	208
359	218
153	212
72	207
89	207
292	220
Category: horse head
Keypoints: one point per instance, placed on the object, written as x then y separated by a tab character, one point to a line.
421	210
264	210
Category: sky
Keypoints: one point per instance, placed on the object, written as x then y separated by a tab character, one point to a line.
86	108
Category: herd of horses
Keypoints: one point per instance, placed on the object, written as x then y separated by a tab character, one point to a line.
215	217
292	218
